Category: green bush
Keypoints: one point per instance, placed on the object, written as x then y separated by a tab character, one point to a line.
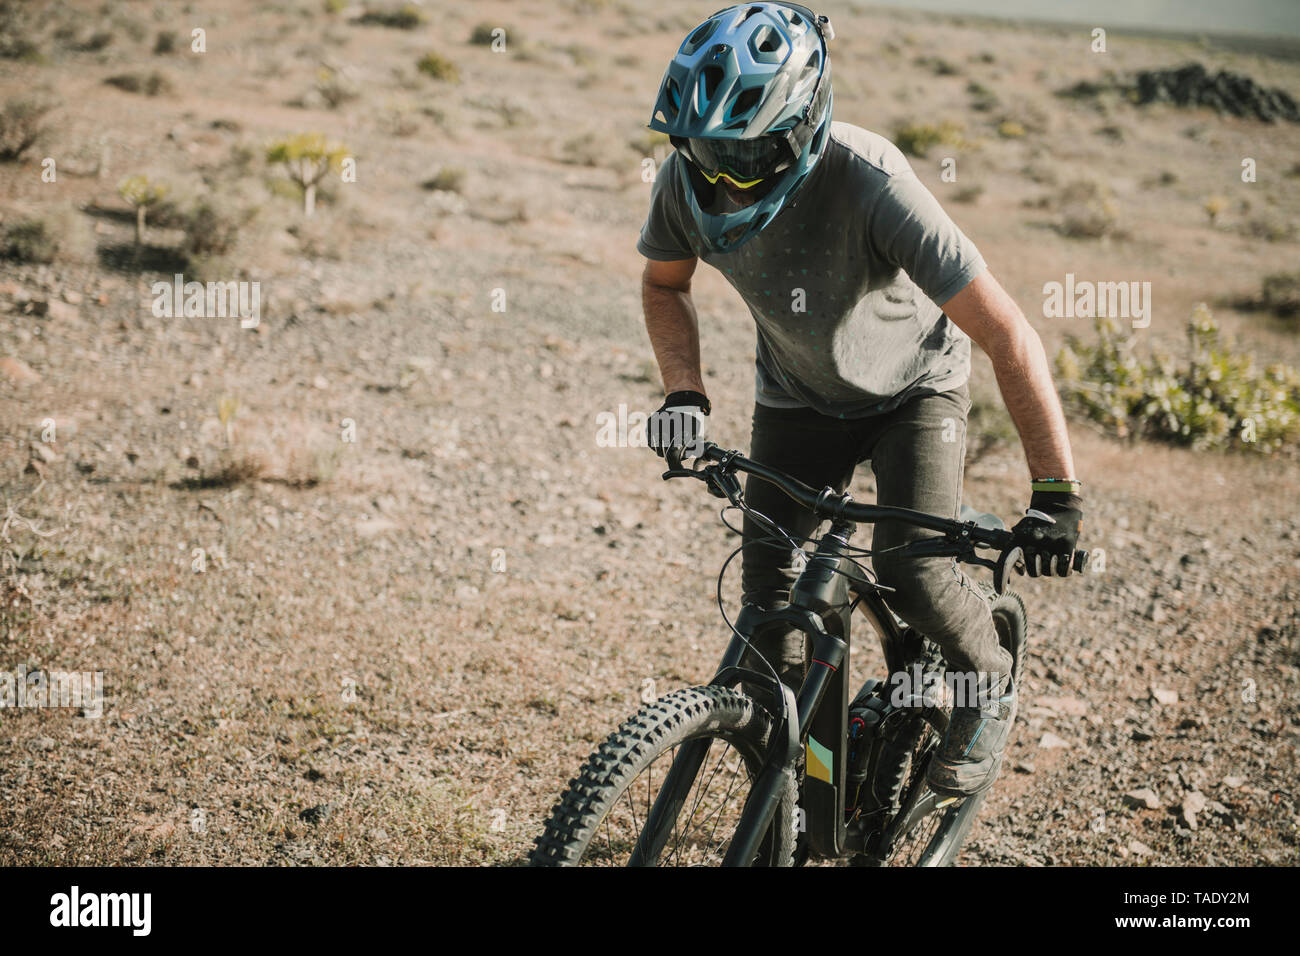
20	127
448	179
210	230
1279	293
1215	398
917	139
30	240
438	67
1088	210
482	34
150	84
406	17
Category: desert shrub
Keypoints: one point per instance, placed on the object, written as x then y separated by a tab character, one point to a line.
29	240
968	194
448	179
650	143
335	88
983	99
936	65
1214	206
406	17
1216	397
1279	293
143	194
150	84
400	121
165	42
1010	129
1088	210
439	67
1269	229
211	230
482	34
307	158
20	127
18	29
97	41
917	139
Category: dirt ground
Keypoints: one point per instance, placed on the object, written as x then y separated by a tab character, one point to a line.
364	587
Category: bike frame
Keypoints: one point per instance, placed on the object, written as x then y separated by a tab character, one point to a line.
816	720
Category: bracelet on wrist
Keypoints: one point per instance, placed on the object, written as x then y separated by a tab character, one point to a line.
1067	485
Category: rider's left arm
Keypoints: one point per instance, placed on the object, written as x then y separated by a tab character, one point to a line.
985	312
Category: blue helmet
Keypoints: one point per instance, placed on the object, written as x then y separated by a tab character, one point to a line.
747	97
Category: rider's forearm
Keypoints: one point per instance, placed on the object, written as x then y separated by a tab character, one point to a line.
1025	379
675	335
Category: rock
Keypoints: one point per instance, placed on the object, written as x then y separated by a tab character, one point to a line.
1155	612
1234	783
1050	741
317	814
369	527
1165	698
1024	766
1193	803
1072	706
18	371
43	451
320	381
1138	848
1142	799
62	311
72	298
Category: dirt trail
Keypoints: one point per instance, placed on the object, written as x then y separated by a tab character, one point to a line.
397	647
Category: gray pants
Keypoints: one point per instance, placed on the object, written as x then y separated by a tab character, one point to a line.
915	468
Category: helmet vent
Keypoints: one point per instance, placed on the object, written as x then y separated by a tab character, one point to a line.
710	77
746	101
752	11
699	35
768	40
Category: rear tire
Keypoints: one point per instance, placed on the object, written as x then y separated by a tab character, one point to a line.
934	835
599	820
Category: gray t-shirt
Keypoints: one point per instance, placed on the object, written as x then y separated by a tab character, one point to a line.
870	255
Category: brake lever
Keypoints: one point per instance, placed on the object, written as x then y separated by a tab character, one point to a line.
721	481
1014	558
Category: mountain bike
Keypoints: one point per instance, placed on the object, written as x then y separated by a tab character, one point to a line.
745	771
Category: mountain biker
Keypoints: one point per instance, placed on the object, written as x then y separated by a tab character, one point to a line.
865	297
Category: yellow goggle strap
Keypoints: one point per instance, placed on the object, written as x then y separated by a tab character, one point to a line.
738	183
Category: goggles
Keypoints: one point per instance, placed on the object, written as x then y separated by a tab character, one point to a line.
744	163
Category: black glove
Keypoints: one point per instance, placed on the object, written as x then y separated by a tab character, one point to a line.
1049	545
678	425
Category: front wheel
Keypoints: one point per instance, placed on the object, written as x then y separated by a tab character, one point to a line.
613	813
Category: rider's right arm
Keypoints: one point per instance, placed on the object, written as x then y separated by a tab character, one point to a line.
671	323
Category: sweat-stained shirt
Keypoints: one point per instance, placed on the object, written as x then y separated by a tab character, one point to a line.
876	258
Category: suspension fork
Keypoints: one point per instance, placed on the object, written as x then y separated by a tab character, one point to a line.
690	756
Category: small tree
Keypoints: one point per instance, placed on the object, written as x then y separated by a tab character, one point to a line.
307	157
141	193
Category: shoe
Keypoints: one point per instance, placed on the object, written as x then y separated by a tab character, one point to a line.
970	755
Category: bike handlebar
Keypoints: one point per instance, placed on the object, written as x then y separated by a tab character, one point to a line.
829	503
